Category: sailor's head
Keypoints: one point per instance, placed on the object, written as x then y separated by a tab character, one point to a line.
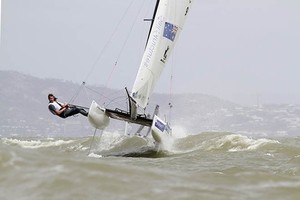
51	98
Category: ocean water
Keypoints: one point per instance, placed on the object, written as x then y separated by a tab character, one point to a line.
204	166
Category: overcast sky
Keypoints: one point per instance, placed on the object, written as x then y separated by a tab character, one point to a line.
233	49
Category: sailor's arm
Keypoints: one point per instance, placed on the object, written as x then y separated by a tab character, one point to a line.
63	105
59	112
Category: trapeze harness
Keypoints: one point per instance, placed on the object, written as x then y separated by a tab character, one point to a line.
57	106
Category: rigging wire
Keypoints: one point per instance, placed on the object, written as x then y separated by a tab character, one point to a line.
124	45
145	30
102	51
102	94
110	100
109	40
76	93
171	85
131	29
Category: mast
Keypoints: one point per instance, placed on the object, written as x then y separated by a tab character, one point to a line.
152	20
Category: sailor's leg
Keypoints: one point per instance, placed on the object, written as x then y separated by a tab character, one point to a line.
83	112
74	110
71	111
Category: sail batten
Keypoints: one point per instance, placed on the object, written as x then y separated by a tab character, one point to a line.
169	18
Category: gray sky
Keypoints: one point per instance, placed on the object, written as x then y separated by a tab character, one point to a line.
0	18
233	49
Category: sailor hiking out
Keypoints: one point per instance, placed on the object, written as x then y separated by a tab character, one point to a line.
63	110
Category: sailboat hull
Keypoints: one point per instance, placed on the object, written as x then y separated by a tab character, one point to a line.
97	117
160	130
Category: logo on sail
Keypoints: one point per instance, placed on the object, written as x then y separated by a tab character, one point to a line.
160	125
170	31
165	55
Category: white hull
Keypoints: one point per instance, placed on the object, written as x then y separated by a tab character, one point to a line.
97	117
160	130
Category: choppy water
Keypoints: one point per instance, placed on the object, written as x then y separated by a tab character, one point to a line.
204	166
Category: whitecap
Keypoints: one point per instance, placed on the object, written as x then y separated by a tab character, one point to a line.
35	144
94	155
236	143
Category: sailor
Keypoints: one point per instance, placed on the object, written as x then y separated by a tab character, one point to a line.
63	110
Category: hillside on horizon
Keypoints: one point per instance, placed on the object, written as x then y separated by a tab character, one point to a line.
23	101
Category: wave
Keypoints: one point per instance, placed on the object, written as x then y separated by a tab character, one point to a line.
222	142
115	144
36	144
108	144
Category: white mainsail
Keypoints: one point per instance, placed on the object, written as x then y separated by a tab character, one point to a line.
167	25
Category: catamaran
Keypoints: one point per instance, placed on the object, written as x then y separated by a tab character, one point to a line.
166	24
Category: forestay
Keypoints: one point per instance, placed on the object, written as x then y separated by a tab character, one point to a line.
167	25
